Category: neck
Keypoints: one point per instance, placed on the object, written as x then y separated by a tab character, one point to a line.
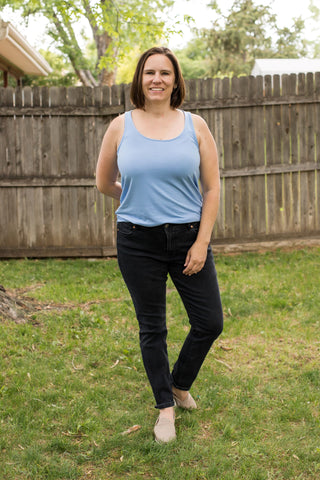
158	110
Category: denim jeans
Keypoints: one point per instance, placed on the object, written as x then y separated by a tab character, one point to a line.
146	255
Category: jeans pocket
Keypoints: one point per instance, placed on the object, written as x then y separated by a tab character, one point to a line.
125	228
194	228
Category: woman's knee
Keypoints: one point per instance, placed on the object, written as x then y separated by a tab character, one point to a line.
212	325
217	323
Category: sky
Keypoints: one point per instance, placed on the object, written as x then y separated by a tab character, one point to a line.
197	9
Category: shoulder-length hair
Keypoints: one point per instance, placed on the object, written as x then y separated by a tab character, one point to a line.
136	92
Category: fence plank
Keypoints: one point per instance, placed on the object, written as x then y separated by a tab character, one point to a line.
257	183
294	179
8	216
217	125
287	207
236	161
274	182
245	134
227	162
7	132
308	179
317	156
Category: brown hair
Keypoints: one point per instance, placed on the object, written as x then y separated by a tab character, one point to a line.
136	92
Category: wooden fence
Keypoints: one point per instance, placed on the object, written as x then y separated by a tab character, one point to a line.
268	134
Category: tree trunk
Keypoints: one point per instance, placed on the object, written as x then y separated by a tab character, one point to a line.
103	42
107	77
86	78
13	308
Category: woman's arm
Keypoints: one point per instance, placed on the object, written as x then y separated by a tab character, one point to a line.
210	182
107	168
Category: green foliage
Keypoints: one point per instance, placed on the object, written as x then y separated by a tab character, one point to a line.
115	26
314	46
72	378
127	66
62	75
247	32
194	59
290	42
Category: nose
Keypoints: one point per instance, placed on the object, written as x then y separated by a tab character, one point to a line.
157	77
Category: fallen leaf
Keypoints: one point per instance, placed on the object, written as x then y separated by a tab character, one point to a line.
115	364
226	349
131	429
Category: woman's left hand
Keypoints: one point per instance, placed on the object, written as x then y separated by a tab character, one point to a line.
195	258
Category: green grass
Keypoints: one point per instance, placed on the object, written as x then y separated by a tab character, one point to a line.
72	380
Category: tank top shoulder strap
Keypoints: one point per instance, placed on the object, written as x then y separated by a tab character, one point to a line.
189	127
128	123
128	127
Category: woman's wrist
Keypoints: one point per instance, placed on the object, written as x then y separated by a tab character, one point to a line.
203	241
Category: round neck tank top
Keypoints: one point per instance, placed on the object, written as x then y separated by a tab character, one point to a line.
159	178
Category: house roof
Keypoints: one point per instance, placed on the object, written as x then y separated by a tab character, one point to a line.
280	66
17	56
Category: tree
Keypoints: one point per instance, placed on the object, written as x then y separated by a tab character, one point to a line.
247	32
115	26
194	59
127	66
62	72
314	46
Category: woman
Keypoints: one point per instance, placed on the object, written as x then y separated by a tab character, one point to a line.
165	224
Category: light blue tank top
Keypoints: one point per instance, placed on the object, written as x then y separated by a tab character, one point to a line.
159	178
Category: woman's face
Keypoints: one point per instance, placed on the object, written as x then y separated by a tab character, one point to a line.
158	79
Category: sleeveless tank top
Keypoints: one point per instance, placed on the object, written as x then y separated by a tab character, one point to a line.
159	178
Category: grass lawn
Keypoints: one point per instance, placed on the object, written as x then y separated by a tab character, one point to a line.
72	380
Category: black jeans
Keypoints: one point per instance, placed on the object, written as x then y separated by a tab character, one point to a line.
146	255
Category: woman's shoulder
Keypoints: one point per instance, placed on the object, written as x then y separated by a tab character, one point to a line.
198	121
116	126
199	124
115	130
118	122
